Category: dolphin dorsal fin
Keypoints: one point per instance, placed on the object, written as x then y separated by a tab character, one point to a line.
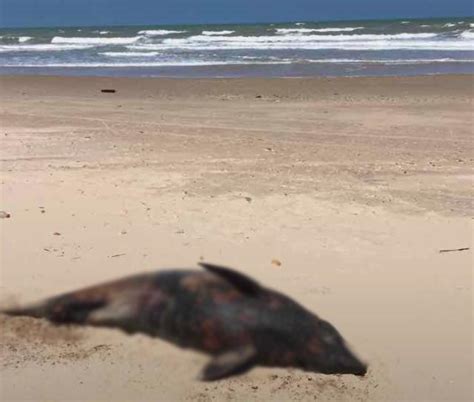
240	281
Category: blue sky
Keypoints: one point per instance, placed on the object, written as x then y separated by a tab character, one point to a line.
131	12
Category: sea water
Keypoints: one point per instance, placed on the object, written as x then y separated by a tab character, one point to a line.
356	48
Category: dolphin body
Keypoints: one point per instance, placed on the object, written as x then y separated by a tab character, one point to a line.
217	311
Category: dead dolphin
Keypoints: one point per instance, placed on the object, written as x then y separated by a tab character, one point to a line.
217	311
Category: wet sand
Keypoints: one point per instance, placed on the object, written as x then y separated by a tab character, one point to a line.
353	184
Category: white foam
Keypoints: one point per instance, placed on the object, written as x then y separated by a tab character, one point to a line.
130	54
364	61
339	29
285	31
197	63
402	36
23	39
159	32
103	32
393	61
467	35
41	48
188	63
95	40
216	33
449	25
295	38
429	41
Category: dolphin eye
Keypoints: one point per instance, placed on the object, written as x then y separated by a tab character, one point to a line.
327	338
329	334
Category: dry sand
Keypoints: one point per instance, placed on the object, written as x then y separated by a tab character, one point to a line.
355	185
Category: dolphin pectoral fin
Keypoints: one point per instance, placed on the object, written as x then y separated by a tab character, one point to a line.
240	281
233	362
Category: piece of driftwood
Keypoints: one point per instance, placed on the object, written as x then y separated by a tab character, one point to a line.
117	255
108	91
454	249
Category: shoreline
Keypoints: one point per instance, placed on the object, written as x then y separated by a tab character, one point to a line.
269	88
316	77
237	71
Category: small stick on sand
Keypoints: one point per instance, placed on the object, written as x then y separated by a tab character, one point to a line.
117	255
454	249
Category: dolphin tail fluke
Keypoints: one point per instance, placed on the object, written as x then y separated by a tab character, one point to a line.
33	310
65	309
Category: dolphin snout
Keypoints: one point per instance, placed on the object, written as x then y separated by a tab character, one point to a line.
345	362
355	367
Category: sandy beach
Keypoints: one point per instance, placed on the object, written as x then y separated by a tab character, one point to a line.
354	184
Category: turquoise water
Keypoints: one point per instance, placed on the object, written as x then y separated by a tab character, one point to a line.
399	47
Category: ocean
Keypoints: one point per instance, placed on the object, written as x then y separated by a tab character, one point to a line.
356	48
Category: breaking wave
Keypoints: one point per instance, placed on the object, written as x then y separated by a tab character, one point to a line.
468	35
216	33
159	32
95	40
428	41
41	48
130	54
310	30
243	61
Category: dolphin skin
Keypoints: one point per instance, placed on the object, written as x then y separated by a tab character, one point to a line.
217	311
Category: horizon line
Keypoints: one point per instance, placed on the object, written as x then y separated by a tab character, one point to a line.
238	23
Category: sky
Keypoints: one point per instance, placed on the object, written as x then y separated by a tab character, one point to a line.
24	13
